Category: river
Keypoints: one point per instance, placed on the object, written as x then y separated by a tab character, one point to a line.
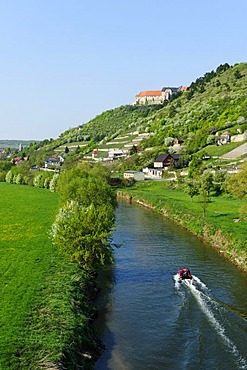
149	321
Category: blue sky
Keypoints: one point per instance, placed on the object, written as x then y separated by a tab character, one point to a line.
64	62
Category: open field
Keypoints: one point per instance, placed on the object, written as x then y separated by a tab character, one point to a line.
39	288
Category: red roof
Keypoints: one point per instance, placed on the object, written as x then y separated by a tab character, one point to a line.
149	93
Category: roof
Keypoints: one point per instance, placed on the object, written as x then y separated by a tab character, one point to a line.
173	89
163	157
149	93
54	159
183	88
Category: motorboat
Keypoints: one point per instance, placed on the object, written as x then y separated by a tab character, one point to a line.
184	273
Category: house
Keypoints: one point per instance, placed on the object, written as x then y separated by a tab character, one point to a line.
17	160
54	162
223	138
177	141
161	164
165	160
116	153
135	175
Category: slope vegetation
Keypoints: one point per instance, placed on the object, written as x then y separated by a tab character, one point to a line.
213	104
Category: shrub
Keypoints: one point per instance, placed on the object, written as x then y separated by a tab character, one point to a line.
9	177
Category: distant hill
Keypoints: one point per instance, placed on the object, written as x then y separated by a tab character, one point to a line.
14	144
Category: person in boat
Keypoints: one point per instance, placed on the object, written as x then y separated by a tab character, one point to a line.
184	273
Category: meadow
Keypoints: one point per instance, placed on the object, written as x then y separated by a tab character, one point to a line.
43	306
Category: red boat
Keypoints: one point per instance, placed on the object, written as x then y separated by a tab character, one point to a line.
184	273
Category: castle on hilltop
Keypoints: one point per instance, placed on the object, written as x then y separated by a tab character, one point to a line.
157	96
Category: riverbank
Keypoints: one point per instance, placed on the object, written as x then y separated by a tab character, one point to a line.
221	227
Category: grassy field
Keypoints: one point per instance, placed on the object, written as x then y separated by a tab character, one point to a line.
214	150
42	308
222	212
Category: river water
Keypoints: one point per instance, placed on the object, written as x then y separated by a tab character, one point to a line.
149	321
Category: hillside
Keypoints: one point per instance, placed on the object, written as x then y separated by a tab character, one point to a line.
214	103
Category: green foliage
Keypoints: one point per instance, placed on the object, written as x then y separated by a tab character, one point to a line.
243	211
206	183
204	199
84	223
82	233
85	187
18	179
9	177
192	188
219	182
133	150
237	183
196	166
54	182
38	181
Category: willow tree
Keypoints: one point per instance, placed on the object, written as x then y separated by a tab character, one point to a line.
82	229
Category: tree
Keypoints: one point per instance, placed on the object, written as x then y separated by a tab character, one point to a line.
19	179
204	201
85	187
82	233
53	182
206	182
84	223
192	189
38	181
133	150
237	183
9	177
237	74
195	166
219	182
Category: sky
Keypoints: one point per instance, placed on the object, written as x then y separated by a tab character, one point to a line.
64	62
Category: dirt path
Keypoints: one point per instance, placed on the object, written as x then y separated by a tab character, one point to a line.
235	153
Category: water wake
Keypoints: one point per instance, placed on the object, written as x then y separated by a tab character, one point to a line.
209	307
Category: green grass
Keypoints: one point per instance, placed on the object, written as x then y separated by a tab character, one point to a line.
214	150
42	304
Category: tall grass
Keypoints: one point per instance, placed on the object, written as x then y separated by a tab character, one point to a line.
43	304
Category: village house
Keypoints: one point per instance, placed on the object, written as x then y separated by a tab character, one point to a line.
54	162
223	138
116	153
161	164
17	160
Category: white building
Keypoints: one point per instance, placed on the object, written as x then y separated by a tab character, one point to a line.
136	175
